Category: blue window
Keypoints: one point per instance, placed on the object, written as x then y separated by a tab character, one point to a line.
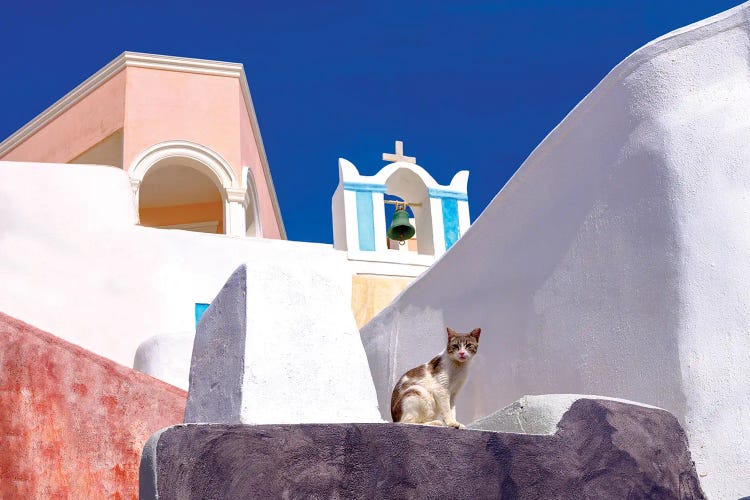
199	310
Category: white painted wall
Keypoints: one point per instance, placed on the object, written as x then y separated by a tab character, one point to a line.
304	361
279	345
617	260
73	262
166	357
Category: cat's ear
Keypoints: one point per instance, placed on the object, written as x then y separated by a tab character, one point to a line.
476	332
451	333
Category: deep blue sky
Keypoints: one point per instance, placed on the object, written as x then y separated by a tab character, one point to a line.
466	85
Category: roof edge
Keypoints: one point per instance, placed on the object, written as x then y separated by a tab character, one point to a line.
151	61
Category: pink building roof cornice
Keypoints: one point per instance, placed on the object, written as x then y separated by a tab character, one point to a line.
157	62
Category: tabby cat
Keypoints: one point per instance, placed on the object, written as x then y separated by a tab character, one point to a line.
427	394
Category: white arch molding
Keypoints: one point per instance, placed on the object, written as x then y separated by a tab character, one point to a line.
253	225
234	192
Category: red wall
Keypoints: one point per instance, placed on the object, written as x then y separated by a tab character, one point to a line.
72	424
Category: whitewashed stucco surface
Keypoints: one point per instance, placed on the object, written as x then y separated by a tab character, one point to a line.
279	345
617	260
73	262
166	357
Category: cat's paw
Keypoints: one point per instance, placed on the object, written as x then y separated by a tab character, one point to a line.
455	424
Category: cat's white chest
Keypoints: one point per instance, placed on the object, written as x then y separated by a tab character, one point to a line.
450	380
456	381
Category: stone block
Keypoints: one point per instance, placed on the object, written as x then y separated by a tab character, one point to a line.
535	414
279	345
602	449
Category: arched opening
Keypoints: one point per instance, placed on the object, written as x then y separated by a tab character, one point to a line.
182	193
410	245
405	185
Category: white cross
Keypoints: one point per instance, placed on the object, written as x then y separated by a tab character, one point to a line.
399	155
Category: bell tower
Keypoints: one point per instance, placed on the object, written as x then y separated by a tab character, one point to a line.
440	214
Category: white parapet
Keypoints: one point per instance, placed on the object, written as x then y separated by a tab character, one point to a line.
279	345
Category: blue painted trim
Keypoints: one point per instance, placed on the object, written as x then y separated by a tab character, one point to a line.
444	193
450	221
365	221
199	310
365	187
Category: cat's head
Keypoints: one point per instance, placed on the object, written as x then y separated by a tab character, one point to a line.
463	347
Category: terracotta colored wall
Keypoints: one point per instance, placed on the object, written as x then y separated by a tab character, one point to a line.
251	158
182	214
72	424
82	126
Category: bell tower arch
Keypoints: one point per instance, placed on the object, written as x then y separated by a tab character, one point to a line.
441	214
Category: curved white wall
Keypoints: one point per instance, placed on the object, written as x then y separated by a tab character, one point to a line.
617	260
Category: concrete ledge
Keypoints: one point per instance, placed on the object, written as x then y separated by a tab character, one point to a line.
602	449
536	414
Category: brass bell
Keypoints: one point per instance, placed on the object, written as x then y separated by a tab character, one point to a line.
401	229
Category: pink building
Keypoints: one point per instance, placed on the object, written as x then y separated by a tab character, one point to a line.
183	129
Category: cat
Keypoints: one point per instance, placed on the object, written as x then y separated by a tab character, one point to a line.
427	394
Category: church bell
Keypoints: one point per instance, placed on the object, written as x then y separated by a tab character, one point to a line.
401	229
